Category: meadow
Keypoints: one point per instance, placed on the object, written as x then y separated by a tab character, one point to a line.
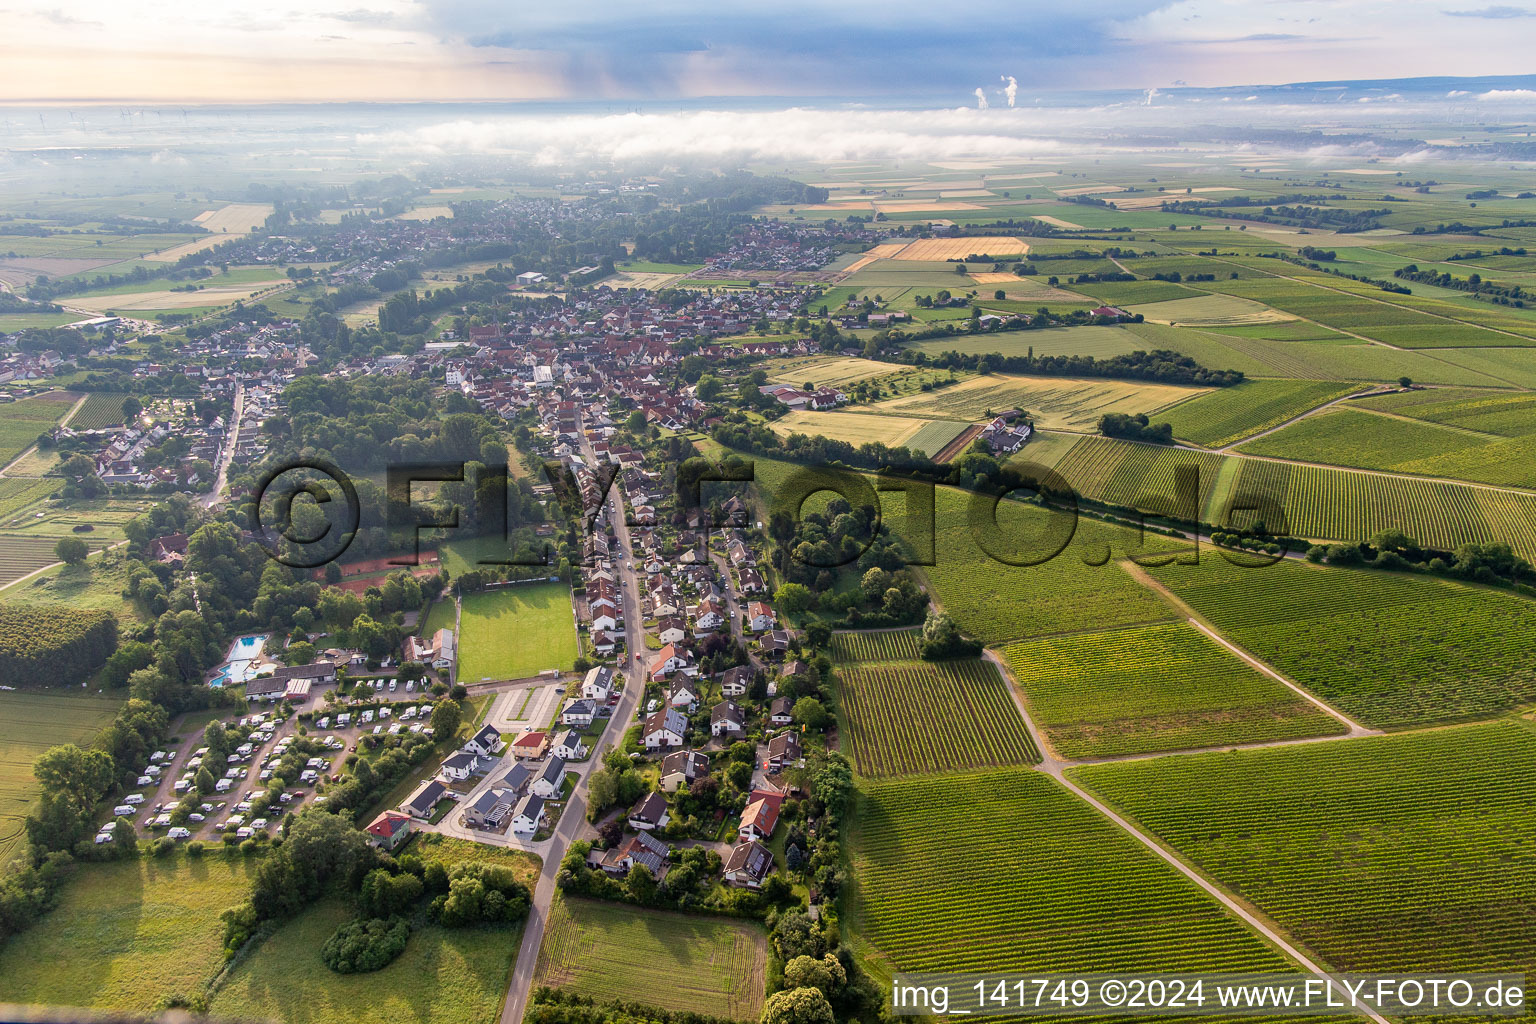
30	723
1407	853
517	632
445	976
1005	870
1389	649
1227	415
1099	341
911	717
710	965
127	936
1154	688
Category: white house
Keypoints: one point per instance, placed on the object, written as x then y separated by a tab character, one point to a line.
759	617
650	813
485	743
460	766
578	712
528	816
736	681
547	782
598	685
681	768
664	729
727	719
569	746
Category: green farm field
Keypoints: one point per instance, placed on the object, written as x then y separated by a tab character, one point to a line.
877	645
909	717
128	935
1407	853
22	421
1391	650
445	976
517	632
100	409
1098	341
30	723
1360	438
710	965
1154	688
1006	871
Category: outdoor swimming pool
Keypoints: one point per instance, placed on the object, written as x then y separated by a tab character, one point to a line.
239	664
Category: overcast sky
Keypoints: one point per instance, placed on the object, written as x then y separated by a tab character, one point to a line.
186	51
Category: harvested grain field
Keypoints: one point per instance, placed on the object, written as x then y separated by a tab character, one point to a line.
426	213
923	205
937	250
648	281
883	251
999	278
857	428
213	295
1090	190
1211	311
235	218
1057	222
1057	403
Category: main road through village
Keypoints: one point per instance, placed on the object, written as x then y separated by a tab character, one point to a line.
553	849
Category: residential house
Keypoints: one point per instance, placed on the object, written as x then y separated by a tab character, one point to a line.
460	766
598	684
680	768
642	849
670	659
665	728
491	809
548	781
749	865
783	751
569	746
528	816
427	796
516	780
760	617
727	719
486	743
578	712
781	711
530	746
650	813
671	630
683	695
761	815
389	830
735	682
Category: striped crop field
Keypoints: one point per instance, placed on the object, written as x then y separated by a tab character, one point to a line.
22	555
101	409
1227	415
1005	871
1154	688
1411	853
887	645
1142	476
911	717
1336	504
1390	649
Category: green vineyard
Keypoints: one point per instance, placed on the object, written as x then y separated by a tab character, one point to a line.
909	717
1006	871
892	645
101	409
1400	853
1228	415
1389	649
1163	687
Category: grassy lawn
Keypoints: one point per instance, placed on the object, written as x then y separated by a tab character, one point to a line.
127	935
517	632
30	723
445	976
677	961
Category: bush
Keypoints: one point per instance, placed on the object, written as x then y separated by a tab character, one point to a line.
358	947
53	643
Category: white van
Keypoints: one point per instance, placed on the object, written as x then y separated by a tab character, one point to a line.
223	786
134	798
122	811
179	833
392	684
